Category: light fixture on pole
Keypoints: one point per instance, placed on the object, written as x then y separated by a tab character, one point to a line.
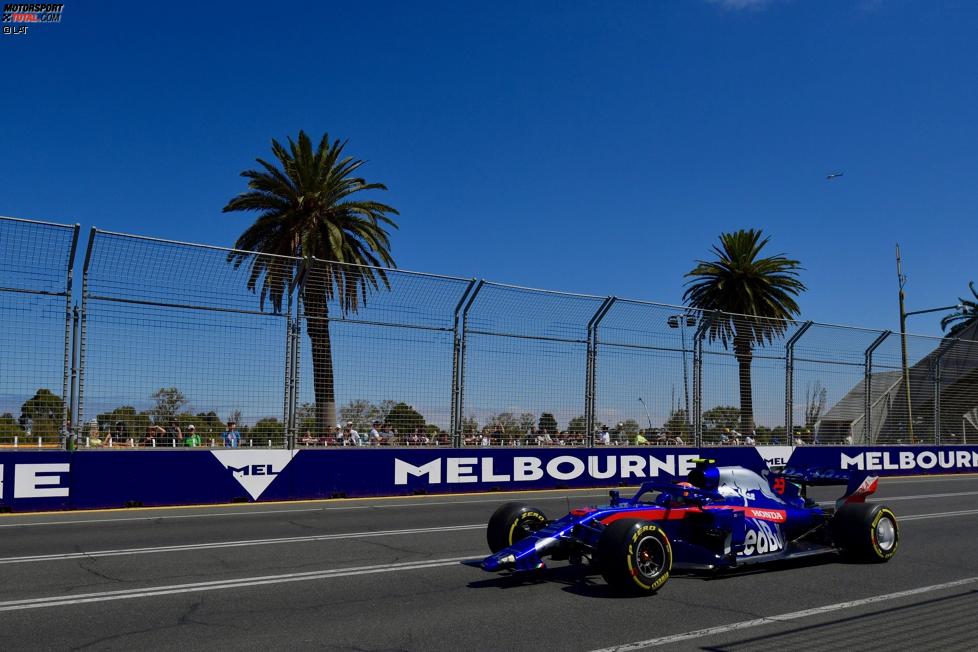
682	321
902	280
647	415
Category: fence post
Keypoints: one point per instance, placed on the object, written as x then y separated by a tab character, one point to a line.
69	318
590	371
78	417
868	386
789	379
456	418
73	389
698	337
459	403
287	381
936	371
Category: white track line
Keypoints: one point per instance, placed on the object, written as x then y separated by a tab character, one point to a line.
53	601
329	537
234	544
920	517
780	618
127	519
129	594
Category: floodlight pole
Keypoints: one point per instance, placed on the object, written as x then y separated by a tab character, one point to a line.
902	281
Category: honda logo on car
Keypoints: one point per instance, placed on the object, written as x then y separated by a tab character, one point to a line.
460	470
907	460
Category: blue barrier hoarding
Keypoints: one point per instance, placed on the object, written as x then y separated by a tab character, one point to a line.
33	481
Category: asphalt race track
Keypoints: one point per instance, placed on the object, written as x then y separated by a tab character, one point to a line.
386	575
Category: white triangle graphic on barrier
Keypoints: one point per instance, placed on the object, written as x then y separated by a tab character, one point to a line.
255	470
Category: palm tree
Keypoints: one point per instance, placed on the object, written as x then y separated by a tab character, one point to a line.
967	313
756	296
307	210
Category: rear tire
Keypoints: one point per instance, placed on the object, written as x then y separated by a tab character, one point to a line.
634	557
513	522
866	532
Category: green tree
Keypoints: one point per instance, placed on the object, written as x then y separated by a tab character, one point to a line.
547	422
45	411
815	399
720	417
677	424
757	296
527	419
361	412
630	427
577	425
9	428
307	208
470	425
405	418
966	314
134	423
268	428
167	403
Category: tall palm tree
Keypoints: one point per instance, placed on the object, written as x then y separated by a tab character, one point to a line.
307	209
756	296
966	314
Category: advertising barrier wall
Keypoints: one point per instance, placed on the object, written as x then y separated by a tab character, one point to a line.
56	480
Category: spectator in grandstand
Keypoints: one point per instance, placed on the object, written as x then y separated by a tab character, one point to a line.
485	441
604	437
192	440
338	435
373	437
174	436
350	436
749	439
231	436
154	435
121	434
640	440
309	439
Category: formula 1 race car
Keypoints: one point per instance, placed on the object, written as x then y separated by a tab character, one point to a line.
719	518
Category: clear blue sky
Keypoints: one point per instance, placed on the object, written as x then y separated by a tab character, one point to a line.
598	147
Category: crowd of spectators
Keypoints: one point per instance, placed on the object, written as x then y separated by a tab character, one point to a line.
173	435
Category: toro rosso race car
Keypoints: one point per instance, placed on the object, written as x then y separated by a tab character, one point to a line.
719	518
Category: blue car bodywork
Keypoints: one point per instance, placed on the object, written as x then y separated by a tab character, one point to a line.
721	517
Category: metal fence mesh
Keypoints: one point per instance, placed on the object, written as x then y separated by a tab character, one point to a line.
172	336
35	286
305	352
388	358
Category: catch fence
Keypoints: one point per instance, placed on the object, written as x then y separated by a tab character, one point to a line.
299	352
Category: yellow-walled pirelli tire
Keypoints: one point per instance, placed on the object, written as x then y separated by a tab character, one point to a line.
634	556
866	532
512	522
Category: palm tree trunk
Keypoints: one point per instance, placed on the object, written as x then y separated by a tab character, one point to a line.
317	326
745	355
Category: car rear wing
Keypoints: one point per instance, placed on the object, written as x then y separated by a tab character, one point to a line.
858	484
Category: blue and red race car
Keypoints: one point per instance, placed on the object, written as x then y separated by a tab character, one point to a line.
719	518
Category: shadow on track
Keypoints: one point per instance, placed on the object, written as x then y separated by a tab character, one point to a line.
586	581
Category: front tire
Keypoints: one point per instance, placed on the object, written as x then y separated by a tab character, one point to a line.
634	557
866	532
513	522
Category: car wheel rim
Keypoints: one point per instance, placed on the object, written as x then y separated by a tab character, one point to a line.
650	556
885	534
